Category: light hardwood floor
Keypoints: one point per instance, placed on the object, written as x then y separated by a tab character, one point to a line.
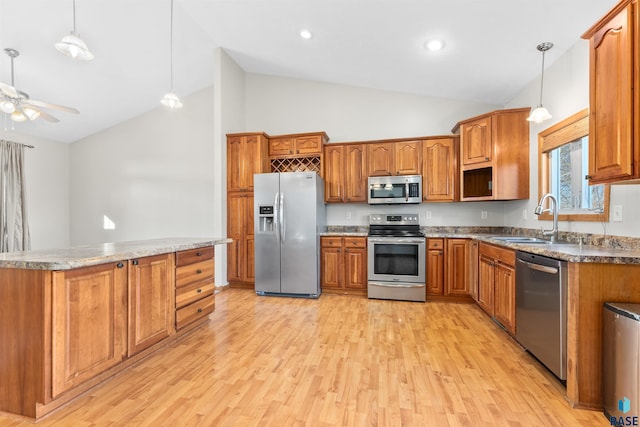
338	360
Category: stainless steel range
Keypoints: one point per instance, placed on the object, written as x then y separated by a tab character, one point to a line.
396	258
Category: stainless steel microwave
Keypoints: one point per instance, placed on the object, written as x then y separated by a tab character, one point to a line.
391	190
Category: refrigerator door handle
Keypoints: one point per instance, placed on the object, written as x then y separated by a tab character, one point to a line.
276	221
282	225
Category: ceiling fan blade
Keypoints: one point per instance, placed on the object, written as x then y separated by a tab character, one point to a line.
9	91
52	106
46	116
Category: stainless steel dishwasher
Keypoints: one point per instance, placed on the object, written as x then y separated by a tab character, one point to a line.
541	309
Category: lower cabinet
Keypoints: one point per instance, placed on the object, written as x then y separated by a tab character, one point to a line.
151	301
194	285
343	265
89	323
447	267
497	284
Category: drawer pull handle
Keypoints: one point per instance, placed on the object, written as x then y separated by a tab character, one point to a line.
198	253
199	291
120	265
198	271
134	262
199	310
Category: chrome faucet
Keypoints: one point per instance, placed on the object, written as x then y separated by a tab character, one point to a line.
553	208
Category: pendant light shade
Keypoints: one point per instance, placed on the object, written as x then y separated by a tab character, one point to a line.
72	45
170	99
540	114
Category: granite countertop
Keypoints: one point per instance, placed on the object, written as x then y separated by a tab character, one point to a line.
85	256
344	234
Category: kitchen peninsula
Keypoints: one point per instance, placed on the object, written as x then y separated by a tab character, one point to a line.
72	318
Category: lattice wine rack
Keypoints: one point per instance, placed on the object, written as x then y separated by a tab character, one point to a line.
297	164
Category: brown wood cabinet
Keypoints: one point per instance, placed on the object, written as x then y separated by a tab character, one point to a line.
247	154
151	301
496	284
494	153
89	323
343	265
194	285
447	270
614	135
440	170
345	173
308	144
397	157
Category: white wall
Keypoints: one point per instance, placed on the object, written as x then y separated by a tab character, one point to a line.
279	105
47	179
152	175
566	91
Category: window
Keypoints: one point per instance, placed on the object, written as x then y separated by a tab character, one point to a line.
563	164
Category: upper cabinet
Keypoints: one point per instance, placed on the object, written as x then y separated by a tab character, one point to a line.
246	156
394	158
494	152
614	147
345	173
440	169
297	145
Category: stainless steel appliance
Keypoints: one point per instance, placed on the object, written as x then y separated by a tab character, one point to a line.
389	190
396	258
541	309
289	213
620	361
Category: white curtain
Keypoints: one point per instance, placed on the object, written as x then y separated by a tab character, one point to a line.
14	227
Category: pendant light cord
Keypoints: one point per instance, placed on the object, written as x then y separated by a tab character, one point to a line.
171	47
74	17
541	77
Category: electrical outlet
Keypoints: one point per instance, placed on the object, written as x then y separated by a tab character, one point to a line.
427	215
524	214
617	213
348	215
483	214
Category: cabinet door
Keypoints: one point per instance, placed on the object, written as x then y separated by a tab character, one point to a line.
89	322
472	268
505	296
248	255
308	145
611	100
253	159
355	262
236	222
380	159
439	174
355	181
234	260
456	277
281	146
235	163
333	173
485	284
435	266
407	158
151	301
475	141
331	268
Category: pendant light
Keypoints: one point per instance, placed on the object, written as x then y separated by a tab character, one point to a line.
540	114
72	45
170	99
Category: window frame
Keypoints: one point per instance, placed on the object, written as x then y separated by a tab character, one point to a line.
564	132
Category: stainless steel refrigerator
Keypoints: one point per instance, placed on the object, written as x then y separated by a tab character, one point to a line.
289	214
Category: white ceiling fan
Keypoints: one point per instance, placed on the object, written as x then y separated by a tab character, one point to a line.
19	106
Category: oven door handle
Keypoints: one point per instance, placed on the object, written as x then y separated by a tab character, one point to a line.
396	240
397	285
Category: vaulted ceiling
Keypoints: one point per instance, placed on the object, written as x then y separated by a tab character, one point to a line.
489	55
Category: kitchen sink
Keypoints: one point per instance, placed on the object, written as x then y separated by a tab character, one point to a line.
522	239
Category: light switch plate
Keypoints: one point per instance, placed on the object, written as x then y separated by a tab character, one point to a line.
617	213
483	214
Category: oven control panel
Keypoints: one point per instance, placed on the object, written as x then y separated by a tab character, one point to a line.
394	219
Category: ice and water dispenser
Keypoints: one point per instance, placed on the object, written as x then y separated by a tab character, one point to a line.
266	219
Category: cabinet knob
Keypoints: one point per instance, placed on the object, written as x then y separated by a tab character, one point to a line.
199	310
198	271
134	262
119	265
198	253
588	177
199	291
486	158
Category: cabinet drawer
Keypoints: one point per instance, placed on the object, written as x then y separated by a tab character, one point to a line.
193	292
193	255
355	242
194	273
192	312
331	242
435	243
506	256
309	145
281	146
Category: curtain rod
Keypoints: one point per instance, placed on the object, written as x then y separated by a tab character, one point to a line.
24	145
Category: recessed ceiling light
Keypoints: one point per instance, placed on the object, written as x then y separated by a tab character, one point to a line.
434	45
306	34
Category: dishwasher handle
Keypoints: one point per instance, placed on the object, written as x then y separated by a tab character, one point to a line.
538	267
